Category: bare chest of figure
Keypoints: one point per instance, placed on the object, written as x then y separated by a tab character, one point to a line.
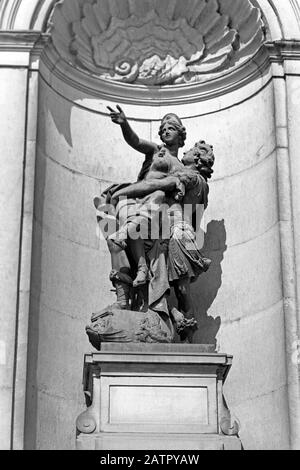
163	163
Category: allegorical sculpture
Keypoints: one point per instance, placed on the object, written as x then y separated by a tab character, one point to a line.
150	228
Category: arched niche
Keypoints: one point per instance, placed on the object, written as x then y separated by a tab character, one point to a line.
80	152
283	19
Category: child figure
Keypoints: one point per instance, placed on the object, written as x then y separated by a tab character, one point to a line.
187	186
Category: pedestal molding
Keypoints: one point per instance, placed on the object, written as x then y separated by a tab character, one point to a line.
134	390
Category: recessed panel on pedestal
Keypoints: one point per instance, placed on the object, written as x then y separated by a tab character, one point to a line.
167	404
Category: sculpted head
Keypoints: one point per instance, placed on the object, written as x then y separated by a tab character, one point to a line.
201	158
172	121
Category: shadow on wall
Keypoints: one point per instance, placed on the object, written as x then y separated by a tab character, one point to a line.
205	289
61	116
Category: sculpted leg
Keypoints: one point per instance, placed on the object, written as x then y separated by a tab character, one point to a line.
130	235
183	294
186	325
138	252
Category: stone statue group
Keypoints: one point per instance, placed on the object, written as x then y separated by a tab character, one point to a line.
150	228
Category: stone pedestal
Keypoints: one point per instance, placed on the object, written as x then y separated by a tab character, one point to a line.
156	396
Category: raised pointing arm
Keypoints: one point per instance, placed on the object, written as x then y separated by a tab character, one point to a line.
132	139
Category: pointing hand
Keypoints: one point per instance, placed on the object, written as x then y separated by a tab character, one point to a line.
118	117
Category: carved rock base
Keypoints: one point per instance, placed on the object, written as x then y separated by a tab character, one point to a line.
156	396
114	325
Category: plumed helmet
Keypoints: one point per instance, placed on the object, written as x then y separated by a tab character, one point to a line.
173	119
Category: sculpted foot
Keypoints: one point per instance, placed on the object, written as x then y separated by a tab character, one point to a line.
185	327
142	276
122	282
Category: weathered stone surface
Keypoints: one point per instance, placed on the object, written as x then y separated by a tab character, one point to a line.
12	135
156	391
157	43
73	278
113	325
57	288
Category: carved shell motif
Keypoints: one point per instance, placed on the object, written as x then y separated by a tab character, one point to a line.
156	42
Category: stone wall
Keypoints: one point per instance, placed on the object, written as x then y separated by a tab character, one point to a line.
13	85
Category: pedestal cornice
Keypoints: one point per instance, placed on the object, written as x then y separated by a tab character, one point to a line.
139	393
